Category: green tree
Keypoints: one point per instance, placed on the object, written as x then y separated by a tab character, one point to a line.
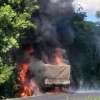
85	63
15	22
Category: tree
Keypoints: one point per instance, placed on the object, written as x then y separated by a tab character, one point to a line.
15	22
85	62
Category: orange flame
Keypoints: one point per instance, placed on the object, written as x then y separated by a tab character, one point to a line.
58	57
23	70
27	86
25	90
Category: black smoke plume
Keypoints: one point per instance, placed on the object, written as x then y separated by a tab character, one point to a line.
53	27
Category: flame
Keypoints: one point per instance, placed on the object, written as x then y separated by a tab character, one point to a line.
27	86
58	57
25	89
22	73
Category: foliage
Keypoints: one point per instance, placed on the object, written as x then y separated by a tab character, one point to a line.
5	73
85	33
15	22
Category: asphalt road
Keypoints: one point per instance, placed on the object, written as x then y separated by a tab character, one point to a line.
74	96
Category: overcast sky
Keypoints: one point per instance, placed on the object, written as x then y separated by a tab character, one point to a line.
90	6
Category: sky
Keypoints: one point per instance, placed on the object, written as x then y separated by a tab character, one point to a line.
89	6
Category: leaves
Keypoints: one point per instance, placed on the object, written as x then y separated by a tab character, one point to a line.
15	19
13	24
5	73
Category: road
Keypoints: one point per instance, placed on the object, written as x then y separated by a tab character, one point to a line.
74	96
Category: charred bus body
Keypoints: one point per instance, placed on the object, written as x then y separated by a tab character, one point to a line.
48	74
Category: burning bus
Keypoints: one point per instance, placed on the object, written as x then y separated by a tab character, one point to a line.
49	74
44	66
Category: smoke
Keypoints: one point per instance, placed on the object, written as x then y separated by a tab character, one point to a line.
56	7
53	25
53	31
36	70
53	22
